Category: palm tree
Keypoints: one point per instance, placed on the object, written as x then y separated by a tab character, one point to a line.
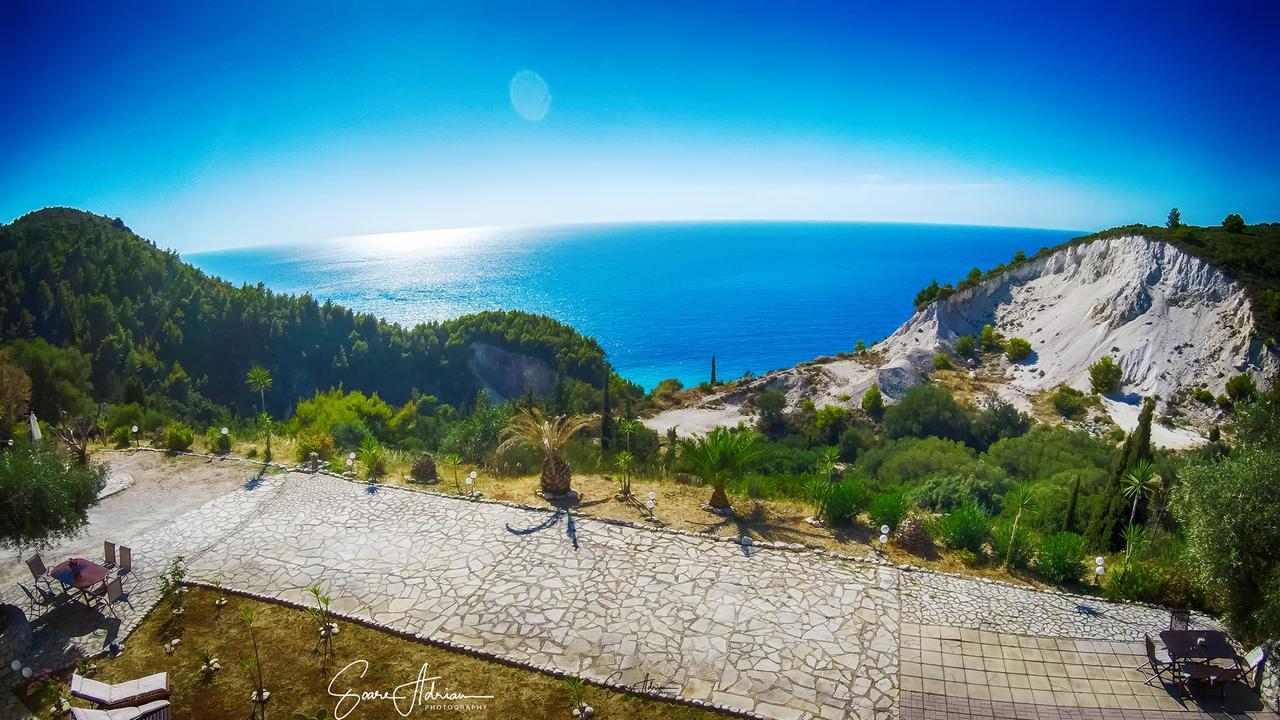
264	422
722	454
625	461
530	428
1022	499
259	378
1139	484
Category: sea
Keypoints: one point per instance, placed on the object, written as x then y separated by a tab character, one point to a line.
661	298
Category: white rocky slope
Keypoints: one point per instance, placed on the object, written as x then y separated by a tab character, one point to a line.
1171	320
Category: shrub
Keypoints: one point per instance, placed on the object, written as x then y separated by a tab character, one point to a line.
873	402
968	558
942	361
964	528
317	441
1024	548
927	411
179	436
1060	559
990	339
965	346
1136	583
1105	376
913	536
1017	349
1241	387
1203	395
981	485
888	508
1068	401
122	437
373	458
424	470
843	501
216	442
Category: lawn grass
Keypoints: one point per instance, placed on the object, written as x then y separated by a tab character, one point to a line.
298	683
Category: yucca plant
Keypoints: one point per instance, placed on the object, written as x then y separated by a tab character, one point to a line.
625	460
530	428
327	628
1021	499
1139	484
259	380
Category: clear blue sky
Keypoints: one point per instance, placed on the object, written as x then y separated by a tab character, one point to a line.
220	124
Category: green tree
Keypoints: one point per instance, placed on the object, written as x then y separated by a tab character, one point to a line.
15	394
1105	376
713	371
927	411
721	455
59	377
1174	221
991	340
46	498
873	402
772	420
625	461
1240	387
965	346
1139	484
1233	223
1226	508
1104	527
1017	349
259	380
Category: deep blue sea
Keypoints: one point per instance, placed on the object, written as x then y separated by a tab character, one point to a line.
661	298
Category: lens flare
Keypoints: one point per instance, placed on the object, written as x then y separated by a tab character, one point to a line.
530	95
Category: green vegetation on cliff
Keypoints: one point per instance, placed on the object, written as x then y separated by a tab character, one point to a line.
1248	253
149	327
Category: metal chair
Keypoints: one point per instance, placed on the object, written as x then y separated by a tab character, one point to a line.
109	553
1154	664
109	594
39	573
1179	619
37	599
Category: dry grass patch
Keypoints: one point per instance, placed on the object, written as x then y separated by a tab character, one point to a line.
299	684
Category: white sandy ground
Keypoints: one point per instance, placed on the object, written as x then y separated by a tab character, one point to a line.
1171	321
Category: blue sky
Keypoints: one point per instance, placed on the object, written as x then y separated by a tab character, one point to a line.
227	124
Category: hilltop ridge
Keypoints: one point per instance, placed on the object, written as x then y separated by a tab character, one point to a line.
1171	320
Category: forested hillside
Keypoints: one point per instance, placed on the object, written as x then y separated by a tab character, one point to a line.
148	325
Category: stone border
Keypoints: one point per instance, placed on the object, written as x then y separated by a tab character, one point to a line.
735	540
480	654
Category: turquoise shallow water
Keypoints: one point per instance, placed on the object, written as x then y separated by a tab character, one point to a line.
661	298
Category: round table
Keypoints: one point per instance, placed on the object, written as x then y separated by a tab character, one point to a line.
80	574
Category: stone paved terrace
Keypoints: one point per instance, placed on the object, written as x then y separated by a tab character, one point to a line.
772	632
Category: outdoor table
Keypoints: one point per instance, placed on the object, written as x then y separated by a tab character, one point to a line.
81	574
1185	645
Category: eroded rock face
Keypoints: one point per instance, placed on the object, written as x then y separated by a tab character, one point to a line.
1171	321
508	374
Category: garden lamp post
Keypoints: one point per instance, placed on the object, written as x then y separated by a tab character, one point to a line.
1098	569
884	535
649	503
134	430
471	480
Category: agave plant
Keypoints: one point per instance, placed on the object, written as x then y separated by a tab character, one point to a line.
530	428
722	454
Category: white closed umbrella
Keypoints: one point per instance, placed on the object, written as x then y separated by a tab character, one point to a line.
35	428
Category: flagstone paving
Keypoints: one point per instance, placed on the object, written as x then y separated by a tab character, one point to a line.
779	633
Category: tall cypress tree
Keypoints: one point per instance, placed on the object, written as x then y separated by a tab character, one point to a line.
606	414
1105	528
1069	524
713	370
